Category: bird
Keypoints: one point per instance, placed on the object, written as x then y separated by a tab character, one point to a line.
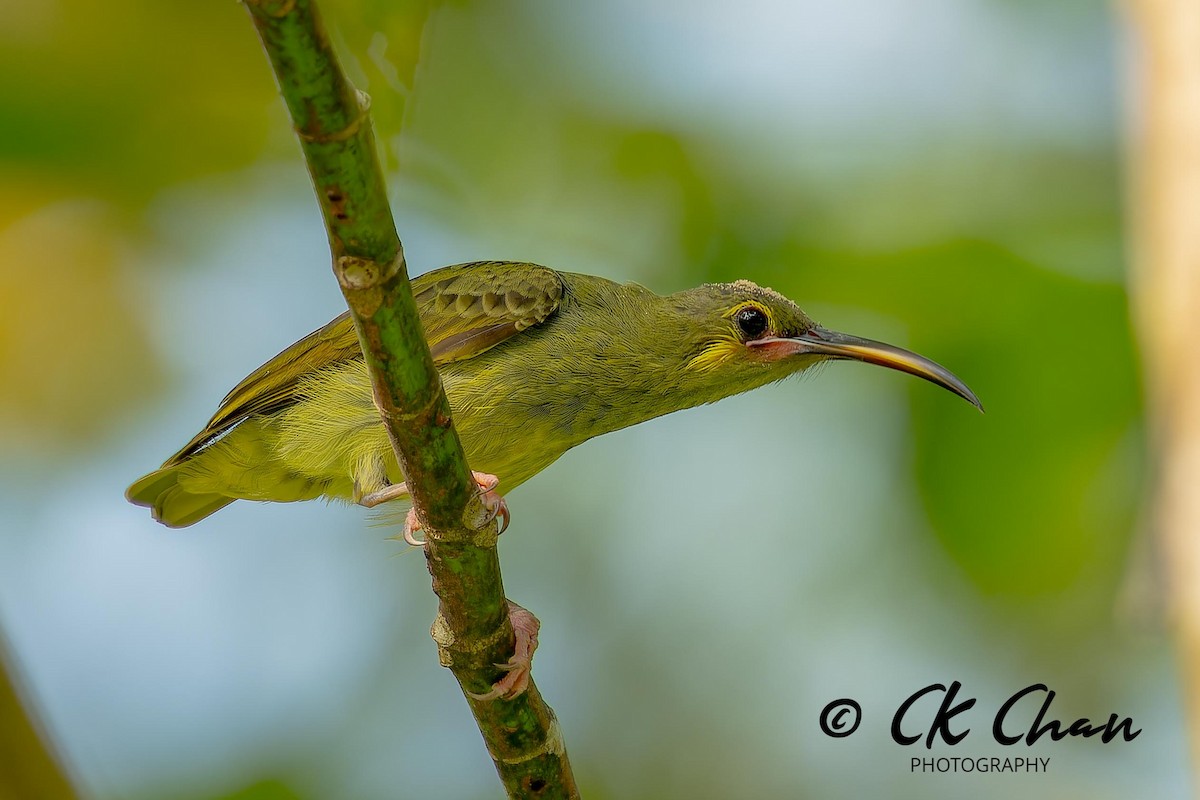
534	362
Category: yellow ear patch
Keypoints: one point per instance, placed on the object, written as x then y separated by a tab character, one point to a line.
715	353
727	346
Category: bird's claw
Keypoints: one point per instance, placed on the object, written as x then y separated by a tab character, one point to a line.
496	507
411	526
517	676
492	502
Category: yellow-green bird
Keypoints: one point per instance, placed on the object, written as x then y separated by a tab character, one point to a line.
534	362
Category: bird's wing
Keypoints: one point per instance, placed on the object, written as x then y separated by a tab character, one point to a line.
465	309
471	308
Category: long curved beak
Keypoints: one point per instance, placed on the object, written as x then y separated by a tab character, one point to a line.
822	341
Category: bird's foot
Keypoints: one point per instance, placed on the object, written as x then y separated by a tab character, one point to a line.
493	503
411	526
516	678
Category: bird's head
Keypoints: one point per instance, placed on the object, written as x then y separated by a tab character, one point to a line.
749	336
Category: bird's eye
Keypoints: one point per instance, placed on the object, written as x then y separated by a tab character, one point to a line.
751	321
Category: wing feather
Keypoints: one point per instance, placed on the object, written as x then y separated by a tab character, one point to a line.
466	310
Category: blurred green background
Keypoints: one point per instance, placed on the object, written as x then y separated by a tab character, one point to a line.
941	174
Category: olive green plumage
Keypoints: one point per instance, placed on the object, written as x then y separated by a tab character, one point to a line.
534	362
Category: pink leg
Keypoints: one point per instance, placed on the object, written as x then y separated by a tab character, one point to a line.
516	681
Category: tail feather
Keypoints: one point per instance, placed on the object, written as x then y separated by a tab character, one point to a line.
170	503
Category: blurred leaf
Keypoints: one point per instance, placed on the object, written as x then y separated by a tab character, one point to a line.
72	353
265	790
30	767
261	789
380	44
119	99
1037	497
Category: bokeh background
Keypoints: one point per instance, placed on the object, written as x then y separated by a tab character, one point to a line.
942	174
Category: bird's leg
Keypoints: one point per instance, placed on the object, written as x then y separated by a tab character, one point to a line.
516	678
492	502
390	492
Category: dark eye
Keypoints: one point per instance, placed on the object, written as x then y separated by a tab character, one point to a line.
751	321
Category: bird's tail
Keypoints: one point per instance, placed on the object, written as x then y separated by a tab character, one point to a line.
170	503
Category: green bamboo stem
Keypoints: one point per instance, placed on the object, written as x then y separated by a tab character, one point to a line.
473	630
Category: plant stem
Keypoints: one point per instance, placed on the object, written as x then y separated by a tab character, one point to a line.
473	629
